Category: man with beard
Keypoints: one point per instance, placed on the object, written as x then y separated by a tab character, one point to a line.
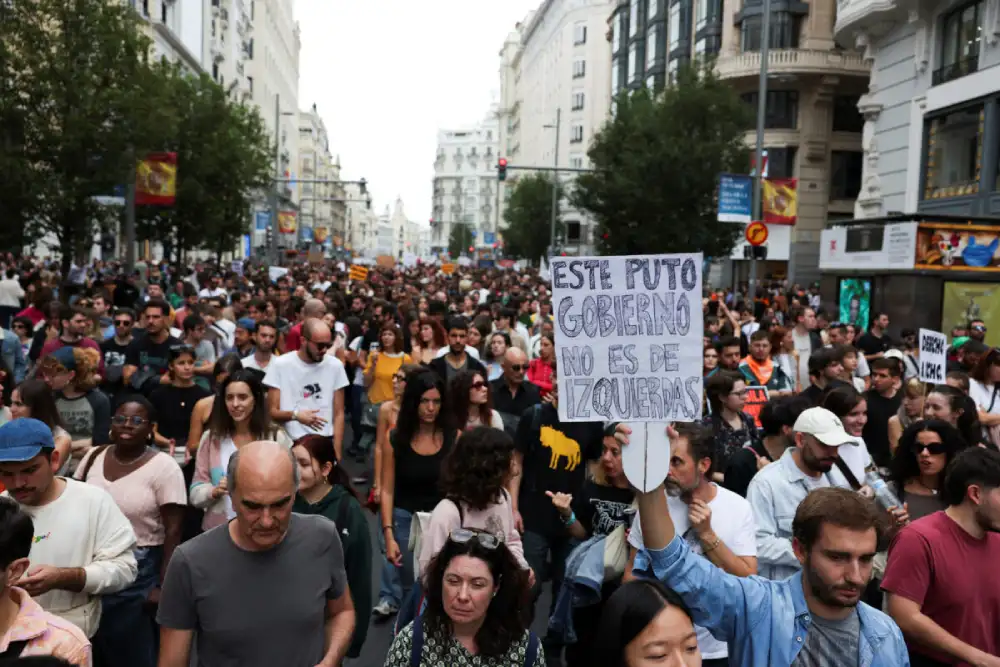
941	581
777	490
716	523
149	355
455	358
264	338
814	618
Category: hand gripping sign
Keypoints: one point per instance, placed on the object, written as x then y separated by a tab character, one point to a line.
629	348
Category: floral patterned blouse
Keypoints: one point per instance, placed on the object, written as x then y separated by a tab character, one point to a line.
448	652
728	440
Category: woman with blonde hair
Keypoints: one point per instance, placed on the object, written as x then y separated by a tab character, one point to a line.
71	373
911	410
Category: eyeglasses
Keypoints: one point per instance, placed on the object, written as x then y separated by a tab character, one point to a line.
932	448
979	327
134	420
464	536
399	377
740	394
479	385
517	368
123	323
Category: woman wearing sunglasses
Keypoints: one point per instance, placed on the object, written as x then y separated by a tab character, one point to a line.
149	489
472	401
476	613
918	465
175	402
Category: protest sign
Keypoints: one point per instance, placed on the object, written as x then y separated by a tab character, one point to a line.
933	356
646	459
628	337
756	399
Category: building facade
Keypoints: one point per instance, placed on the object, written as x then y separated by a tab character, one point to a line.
465	181
509	109
360	222
177	29
322	205
932	107
562	72
813	127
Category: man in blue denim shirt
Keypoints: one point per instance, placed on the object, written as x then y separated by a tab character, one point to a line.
13	355
812	619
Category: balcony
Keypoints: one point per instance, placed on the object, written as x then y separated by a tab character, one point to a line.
955	70
793	61
875	18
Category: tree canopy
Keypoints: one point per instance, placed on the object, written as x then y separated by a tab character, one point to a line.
460	239
657	163
529	215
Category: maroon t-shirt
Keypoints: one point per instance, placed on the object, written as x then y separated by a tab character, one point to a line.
56	343
952	576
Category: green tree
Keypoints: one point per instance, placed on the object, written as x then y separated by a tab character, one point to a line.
529	215
657	163
72	78
460	239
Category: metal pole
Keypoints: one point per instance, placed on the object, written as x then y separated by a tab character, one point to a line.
765	44
277	175
555	189
130	213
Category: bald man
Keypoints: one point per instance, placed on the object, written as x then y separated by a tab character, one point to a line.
311	309
306	388
268	588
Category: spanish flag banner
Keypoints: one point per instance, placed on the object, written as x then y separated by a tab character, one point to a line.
781	200
321	234
286	222
359	272
156	180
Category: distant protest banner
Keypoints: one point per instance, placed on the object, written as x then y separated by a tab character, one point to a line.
756	399
933	356
628	337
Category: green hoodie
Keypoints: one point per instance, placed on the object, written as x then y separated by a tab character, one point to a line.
357	554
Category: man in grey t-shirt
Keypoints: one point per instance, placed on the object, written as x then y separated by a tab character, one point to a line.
269	588
831	642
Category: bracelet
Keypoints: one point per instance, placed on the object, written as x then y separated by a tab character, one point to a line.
385	528
713	546
570	520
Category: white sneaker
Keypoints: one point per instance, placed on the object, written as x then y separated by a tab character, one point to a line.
384	609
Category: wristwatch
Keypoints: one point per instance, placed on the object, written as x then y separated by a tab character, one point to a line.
295	415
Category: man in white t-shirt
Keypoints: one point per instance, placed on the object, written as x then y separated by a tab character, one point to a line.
306	387
265	337
716	523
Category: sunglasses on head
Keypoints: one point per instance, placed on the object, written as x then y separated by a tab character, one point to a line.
479	385
933	448
464	536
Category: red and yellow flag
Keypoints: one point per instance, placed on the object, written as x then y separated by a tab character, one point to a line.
321	234
156	180
781	200
286	222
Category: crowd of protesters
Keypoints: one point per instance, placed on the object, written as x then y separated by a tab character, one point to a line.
175	445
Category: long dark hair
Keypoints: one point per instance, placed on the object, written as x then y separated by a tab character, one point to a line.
409	410
718	387
841	400
506	617
475	470
967	422
320	448
461	405
627	613
37	395
904	466
220	422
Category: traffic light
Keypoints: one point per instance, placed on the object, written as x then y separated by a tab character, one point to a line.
269	235
502	169
363	185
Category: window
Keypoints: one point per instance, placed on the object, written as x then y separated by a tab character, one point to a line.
961	32
954	145
470	185
846	117
616	34
250	83
215	71
782	110
580	33
652	39
652	9
700	14
575	162
675	27
845	174
784	31
576	134
707	46
578	101
615	76
781	162
651	82
632	62
579	69
572	231
672	68
633	18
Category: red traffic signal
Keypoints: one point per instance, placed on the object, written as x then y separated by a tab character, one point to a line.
502	169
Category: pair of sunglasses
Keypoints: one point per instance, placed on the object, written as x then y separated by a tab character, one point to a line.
479	385
933	448
464	536
517	368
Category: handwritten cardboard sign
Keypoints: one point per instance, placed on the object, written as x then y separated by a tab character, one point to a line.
933	356
628	337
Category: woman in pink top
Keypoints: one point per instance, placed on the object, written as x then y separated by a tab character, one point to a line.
148	487
473	478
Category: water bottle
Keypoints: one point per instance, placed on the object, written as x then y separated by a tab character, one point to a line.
883	494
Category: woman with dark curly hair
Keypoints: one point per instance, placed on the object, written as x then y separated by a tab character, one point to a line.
473	480
917	468
472	401
477	610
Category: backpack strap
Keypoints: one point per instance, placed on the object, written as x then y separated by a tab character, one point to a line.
15	649
90	462
417	645
532	652
461	512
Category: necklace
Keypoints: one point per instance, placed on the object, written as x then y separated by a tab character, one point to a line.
111	453
921	483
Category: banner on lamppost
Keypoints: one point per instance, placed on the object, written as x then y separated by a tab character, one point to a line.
156	180
287	223
321	234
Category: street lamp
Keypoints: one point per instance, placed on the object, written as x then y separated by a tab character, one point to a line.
555	185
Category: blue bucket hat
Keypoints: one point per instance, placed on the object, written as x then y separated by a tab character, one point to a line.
24	439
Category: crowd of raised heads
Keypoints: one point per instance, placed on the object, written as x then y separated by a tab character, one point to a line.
256	465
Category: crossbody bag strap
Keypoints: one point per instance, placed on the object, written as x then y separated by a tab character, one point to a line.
417	645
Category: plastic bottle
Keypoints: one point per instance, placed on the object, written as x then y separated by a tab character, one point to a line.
883	494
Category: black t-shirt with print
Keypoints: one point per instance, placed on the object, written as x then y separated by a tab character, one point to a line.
600	509
555	459
870	344
146	354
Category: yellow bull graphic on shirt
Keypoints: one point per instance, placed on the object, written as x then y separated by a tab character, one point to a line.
561	446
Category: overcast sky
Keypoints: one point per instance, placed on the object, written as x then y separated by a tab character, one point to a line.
387	74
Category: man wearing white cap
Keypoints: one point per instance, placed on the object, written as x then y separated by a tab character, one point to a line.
776	491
